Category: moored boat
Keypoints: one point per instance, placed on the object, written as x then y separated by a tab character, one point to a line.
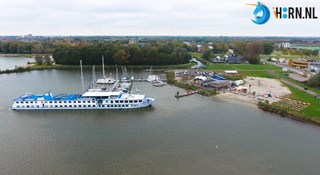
105	80
89	100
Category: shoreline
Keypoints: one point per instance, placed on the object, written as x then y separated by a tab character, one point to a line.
10	55
249	103
234	99
156	68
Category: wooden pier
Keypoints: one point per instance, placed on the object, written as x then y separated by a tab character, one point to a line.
185	94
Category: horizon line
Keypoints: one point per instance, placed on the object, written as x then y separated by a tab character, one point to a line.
92	35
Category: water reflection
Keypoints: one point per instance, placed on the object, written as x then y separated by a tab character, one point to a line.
192	135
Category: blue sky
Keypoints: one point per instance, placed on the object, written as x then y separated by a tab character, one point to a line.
149	17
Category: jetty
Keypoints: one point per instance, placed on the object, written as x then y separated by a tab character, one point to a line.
178	95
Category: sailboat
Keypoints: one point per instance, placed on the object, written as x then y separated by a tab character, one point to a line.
105	80
97	99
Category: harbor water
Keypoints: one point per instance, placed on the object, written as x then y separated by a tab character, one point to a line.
13	62
190	135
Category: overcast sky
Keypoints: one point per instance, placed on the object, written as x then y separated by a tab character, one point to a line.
149	17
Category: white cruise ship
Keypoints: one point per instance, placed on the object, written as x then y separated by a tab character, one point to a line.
89	100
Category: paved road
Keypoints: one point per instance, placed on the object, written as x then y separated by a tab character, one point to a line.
294	85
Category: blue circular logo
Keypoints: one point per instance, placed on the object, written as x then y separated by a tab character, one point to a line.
261	13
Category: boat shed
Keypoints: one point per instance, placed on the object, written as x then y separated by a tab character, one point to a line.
218	84
207	82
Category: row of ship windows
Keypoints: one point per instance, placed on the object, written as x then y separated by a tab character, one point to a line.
22	102
70	106
116	101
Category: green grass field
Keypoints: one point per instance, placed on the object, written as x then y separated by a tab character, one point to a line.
260	70
243	67
263	74
279	54
313	111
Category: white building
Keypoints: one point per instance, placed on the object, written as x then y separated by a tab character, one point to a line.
284	45
314	68
230	51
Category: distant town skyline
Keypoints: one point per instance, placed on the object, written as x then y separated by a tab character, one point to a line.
149	18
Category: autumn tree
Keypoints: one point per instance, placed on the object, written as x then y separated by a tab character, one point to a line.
206	53
121	57
239	48
47	60
252	52
39	59
268	48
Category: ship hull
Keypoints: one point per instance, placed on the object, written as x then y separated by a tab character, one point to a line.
75	102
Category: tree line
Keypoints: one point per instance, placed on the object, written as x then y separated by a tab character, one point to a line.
301	52
151	51
18	47
249	50
146	54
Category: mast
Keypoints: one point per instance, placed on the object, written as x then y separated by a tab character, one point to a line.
93	76
150	71
81	76
117	76
104	76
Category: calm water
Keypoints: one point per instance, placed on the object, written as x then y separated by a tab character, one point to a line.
12	62
192	135
306	47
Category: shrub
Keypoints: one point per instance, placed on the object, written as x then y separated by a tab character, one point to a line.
271	108
314	80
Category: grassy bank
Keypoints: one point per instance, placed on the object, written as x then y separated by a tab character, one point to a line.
19	69
272	108
286	113
309	114
313	111
22	55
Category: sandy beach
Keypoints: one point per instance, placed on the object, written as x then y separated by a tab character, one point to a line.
257	89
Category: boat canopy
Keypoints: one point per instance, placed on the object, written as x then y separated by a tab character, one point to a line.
101	94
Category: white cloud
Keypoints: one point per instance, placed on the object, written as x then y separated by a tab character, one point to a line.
147	17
